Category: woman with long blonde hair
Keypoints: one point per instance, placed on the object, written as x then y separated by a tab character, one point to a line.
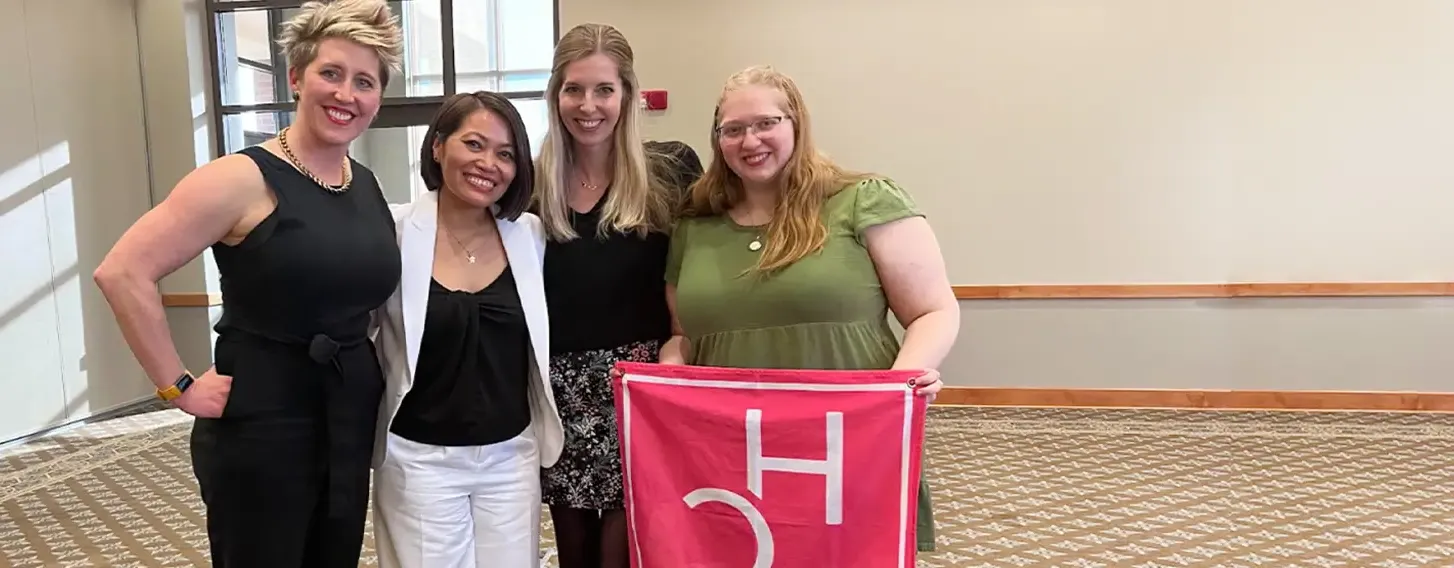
607	204
816	257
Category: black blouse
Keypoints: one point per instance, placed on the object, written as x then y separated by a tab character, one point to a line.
605	292
608	291
471	385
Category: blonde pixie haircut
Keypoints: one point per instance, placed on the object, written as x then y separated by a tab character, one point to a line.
369	23
806	181
638	201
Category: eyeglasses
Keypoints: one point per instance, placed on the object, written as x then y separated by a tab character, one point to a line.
735	131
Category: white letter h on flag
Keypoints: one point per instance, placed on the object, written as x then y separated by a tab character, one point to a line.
831	468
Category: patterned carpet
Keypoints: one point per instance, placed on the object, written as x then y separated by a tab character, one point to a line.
1013	488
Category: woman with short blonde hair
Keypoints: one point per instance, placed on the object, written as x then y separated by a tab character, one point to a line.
786	260
607	204
304	243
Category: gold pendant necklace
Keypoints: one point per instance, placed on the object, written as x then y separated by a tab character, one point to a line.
756	243
469	255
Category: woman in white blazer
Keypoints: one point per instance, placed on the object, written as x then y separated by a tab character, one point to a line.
468	417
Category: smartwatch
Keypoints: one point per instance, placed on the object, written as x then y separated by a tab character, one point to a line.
172	392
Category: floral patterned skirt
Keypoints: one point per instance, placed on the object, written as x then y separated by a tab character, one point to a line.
588	473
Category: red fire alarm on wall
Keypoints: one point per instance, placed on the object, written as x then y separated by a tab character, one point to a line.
654	99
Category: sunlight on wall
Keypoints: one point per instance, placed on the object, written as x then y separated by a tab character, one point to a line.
27	290
20	177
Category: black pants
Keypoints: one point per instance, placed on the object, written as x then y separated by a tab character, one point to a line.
284	473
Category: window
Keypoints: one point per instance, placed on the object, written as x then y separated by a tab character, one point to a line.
450	46
489	56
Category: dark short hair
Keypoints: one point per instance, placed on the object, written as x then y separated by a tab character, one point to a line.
451	116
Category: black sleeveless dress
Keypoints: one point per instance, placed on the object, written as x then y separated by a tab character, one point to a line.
284	473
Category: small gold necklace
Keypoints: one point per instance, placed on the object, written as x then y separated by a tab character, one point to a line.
756	243
288	152
586	185
468	254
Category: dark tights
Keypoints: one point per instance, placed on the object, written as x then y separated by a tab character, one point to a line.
588	538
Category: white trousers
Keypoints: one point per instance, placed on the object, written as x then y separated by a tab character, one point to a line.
458	507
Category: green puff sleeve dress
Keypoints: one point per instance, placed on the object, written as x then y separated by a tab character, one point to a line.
826	311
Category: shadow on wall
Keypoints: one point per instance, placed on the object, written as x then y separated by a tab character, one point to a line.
73	177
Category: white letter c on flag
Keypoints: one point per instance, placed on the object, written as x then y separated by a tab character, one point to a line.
760	530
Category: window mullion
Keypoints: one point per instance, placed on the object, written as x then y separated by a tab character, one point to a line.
497	48
446	35
282	91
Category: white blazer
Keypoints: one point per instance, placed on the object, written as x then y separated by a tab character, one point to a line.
401	319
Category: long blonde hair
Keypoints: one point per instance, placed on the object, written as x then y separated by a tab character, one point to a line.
637	202
806	181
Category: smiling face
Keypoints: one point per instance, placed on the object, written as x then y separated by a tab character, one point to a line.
590	99
755	133
339	91
478	159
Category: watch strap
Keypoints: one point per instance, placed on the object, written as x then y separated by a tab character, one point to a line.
181	385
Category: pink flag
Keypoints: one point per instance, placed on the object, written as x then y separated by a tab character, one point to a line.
755	468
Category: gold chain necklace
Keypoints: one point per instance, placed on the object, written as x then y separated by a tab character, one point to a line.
586	185
287	151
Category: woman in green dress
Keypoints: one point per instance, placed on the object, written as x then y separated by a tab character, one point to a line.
783	259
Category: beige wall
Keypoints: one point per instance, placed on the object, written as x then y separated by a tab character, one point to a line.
175	80
73	176
1127	142
105	112
1108	142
